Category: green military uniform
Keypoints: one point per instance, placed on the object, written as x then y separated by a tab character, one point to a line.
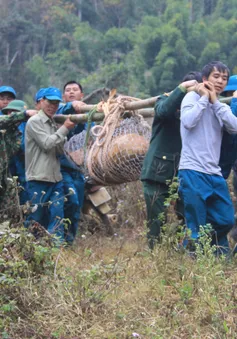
10	142
162	159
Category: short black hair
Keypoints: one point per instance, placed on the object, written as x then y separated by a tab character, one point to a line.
207	69
71	82
10	94
193	75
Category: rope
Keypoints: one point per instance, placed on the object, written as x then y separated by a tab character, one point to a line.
113	111
113	152
89	122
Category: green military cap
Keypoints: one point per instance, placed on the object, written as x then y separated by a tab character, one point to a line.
15	105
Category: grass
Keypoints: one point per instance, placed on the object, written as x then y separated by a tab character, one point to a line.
115	288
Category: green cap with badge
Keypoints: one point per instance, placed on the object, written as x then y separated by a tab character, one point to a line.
15	106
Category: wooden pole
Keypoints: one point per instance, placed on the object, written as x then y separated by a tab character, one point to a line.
142	106
82	118
78	118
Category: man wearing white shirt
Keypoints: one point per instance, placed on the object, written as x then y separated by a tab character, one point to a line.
202	187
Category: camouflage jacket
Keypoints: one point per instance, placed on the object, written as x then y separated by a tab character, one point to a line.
10	142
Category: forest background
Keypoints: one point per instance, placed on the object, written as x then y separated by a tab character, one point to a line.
113	287
142	48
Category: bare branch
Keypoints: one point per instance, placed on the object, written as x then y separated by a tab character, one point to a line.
104	91
12	60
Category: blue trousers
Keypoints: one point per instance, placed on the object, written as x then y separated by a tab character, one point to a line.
75	180
17	168
235	180
206	200
50	201
24	193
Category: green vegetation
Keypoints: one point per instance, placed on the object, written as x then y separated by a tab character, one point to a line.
115	288
140	48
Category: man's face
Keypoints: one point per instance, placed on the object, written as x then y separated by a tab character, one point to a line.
72	92
218	79
49	107
10	111
5	98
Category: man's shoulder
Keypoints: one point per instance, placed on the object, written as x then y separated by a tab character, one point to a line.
174	95
33	119
37	117
164	95
192	94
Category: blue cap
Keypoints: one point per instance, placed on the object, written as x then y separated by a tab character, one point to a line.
8	89
232	84
40	94
53	93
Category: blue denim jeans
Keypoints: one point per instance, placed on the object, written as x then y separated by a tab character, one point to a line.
206	201
48	199
74	202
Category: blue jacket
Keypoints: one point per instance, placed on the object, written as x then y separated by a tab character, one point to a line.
66	110
228	146
17	162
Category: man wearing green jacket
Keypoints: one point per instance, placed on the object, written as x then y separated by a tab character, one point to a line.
10	143
162	159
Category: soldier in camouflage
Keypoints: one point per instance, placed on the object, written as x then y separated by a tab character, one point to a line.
17	162
10	143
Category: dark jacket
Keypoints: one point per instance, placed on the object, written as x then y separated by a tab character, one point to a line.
228	147
162	159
